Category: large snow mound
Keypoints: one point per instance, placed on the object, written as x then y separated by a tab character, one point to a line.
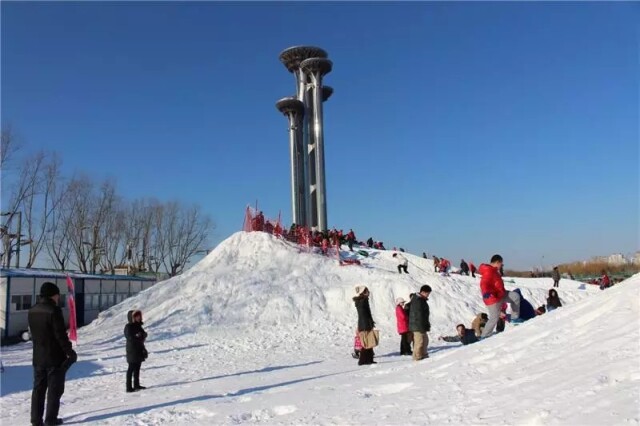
256	280
263	348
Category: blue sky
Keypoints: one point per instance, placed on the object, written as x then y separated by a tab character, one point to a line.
460	129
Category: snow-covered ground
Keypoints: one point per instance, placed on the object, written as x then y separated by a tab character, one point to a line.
259	332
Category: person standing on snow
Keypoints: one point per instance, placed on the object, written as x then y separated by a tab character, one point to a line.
136	351
402	263
351	238
556	277
436	263
464	268
53	354
402	320
472	268
494	294
365	322
419	322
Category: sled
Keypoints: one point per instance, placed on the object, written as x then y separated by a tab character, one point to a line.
347	262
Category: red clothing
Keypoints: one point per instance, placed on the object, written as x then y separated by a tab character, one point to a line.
402	319
472	267
606	282
491	285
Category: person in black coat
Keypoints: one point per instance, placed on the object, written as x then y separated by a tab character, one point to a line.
136	352
52	355
464	268
365	322
419	322
465	335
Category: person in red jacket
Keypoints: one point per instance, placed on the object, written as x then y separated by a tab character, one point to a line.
605	282
472	268
402	318
494	294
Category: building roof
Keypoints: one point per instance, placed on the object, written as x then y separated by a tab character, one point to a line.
44	273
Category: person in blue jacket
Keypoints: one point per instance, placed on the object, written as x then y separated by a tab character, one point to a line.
527	311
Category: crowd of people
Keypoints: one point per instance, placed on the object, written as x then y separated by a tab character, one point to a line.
412	317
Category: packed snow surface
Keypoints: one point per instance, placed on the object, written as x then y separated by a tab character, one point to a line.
261	331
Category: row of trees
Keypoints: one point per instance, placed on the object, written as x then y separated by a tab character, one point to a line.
78	223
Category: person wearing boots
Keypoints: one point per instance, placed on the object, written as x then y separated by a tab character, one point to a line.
52	355
365	321
136	351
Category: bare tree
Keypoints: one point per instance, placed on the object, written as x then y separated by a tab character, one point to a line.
184	231
9	145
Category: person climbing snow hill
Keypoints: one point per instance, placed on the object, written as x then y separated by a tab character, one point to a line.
402	263
494	294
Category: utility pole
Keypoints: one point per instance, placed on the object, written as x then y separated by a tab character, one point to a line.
19	241
94	248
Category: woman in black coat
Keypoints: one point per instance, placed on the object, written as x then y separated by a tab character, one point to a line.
365	321
136	352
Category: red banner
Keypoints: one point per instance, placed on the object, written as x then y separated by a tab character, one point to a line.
71	302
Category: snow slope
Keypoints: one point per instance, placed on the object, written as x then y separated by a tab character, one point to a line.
260	333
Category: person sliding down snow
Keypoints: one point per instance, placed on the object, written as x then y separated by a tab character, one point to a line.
402	263
465	335
494	294
553	301
527	311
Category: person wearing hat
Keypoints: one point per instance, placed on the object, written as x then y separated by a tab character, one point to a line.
402	319
136	351
52	355
365	321
419	322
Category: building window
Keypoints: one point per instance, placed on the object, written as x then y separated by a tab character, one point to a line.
21	302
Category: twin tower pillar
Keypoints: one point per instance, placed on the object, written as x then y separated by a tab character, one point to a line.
306	134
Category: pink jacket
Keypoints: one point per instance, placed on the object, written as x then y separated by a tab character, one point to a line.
402	319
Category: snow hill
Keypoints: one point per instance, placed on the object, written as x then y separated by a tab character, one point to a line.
257	279
259	332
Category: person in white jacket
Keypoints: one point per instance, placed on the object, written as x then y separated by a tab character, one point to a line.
403	263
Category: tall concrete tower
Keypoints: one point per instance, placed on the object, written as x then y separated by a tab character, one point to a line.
309	65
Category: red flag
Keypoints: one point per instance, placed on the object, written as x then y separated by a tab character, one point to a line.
71	302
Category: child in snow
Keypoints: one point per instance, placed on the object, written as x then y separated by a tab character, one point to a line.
436	263
136	351
465	335
605	282
357	345
402	263
553	301
402	319
479	322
